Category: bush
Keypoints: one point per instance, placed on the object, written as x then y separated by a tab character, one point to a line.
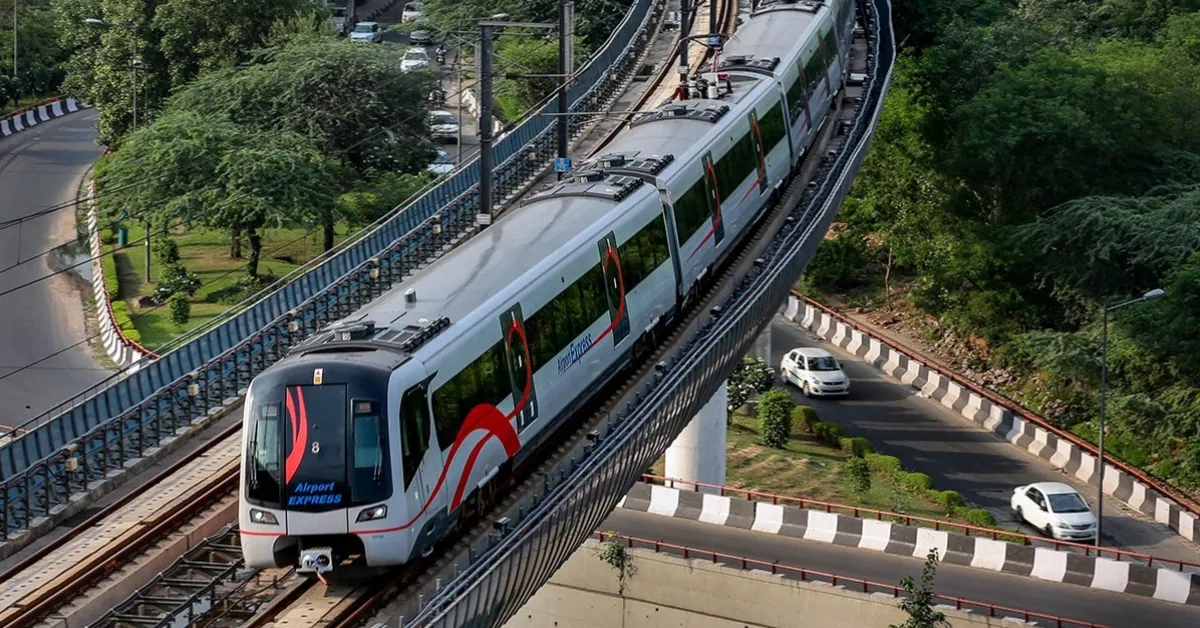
885	465
181	309
124	322
774	415
805	417
177	280
112	284
857	446
166	250
752	376
858	475
980	517
829	433
918	481
950	500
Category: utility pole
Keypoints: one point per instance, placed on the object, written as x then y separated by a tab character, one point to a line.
14	40
485	119
714	39
566	20
684	15
459	66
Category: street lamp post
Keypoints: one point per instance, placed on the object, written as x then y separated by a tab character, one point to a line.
1153	294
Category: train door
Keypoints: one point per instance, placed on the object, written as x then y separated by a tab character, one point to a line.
764	182
520	369
668	210
316	487
614	287
416	434
714	199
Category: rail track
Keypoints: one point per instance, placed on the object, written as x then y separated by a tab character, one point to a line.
71	578
346	605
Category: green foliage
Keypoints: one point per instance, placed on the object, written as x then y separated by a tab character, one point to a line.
918	481
836	263
373	200
805	417
176	280
752	376
950	500
883	464
112	282
181	308
124	322
857	446
980	517
614	554
829	433
858	475
40	54
166	250
919	600
774	414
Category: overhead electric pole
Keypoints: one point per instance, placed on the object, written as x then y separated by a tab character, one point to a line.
485	119
684	15
566	31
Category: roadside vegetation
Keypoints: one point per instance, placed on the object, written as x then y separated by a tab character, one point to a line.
40	54
1035	161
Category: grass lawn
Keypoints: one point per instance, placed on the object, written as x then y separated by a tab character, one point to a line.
205	253
810	469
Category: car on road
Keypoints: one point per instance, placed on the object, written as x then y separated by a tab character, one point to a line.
422	35
412	11
442	164
444	126
414	59
367	32
1056	509
815	372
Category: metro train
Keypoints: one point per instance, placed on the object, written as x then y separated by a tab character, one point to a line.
374	437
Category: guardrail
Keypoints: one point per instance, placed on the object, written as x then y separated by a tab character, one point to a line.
61	455
847	582
542	531
1181	500
966	529
16	112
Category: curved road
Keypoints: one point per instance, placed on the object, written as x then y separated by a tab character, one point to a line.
1118	610
41	168
958	454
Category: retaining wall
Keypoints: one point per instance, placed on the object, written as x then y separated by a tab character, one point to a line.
120	349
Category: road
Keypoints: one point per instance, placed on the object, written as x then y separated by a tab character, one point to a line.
1117	610
959	455
41	168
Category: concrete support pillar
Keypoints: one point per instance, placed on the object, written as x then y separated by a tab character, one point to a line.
698	454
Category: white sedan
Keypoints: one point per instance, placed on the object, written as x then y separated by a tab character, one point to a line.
1056	509
815	372
414	59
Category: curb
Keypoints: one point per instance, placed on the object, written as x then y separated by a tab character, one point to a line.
37	114
891	538
945	388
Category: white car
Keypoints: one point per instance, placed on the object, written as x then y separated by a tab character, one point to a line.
815	372
412	11
444	126
367	32
442	164
1056	509
414	59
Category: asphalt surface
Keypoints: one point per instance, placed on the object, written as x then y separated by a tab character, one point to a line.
41	168
1117	610
959	455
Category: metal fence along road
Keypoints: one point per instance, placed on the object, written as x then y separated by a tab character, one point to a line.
540	538
60	453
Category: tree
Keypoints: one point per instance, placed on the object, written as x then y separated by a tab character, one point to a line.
919	600
40	54
372	200
193	169
752	376
351	102
174	40
775	417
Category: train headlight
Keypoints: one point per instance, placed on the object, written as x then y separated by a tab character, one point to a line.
263	517
372	513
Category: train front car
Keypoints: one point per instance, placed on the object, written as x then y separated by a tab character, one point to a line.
319	463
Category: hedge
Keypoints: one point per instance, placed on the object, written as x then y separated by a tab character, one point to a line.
124	322
805	418
112	283
917	481
881	463
858	447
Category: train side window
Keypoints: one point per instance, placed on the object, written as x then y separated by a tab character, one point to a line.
796	97
773	127
414	431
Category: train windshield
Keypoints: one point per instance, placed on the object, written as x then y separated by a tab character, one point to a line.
264	462
370	472
315	463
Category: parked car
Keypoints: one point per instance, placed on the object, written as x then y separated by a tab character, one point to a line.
815	372
442	164
414	59
367	32
412	11
444	126
1056	509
